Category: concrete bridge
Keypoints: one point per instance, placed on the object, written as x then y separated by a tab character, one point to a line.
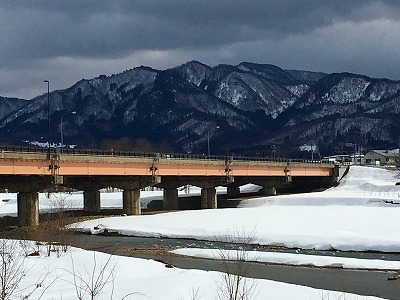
30	172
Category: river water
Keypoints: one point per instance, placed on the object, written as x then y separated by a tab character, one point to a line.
162	243
100	241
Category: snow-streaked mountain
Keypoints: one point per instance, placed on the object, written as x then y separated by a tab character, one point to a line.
245	108
343	108
10	105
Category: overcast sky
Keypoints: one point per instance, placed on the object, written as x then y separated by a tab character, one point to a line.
67	40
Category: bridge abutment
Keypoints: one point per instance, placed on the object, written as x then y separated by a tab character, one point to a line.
91	201
28	209
131	202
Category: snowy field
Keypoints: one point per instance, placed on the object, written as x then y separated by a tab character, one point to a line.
362	213
133	278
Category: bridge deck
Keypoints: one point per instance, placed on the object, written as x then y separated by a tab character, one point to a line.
20	163
29	173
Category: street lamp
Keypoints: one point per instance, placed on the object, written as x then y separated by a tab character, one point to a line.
61	128
48	114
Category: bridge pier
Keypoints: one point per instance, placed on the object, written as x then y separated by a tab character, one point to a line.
130	185
91	201
233	190
170	199
28	209
268	191
208	192
28	188
208	198
131	202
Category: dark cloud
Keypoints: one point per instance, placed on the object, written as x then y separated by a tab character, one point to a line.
39	37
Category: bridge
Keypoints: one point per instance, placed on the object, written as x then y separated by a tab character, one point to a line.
30	171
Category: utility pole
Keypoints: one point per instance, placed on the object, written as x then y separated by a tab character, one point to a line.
355	154
226	134
398	157
48	116
208	143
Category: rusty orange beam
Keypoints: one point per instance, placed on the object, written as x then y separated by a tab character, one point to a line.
24	167
76	165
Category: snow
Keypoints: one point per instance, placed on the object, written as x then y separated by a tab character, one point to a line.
348	90
135	278
294	259
298	90
360	214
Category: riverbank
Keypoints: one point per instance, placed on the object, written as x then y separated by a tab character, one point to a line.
361	281
361	214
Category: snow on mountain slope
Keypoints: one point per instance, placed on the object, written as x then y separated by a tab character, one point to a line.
253	105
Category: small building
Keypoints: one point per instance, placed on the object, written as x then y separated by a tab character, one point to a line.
339	158
380	157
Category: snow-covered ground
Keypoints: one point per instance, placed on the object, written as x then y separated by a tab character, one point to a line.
293	259
133	278
362	213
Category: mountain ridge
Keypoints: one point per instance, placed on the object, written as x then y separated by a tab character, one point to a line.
247	108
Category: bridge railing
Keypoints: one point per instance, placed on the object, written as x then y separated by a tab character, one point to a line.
118	153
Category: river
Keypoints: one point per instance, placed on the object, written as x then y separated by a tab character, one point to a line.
361	282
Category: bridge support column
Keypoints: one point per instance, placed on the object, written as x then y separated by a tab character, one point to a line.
170	200
233	190
203	198
131	202
91	201
268	191
208	198
28	209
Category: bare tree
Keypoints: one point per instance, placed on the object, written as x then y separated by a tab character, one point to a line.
326	295
193	295
14	269
28	247
57	219
91	283
233	283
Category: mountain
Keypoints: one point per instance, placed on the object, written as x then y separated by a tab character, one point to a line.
342	108
249	109
10	105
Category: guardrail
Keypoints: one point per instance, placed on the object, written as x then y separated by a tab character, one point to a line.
96	152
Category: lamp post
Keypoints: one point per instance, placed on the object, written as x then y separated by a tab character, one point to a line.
312	152
48	115
61	129
208	142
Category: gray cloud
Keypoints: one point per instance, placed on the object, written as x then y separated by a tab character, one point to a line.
68	40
